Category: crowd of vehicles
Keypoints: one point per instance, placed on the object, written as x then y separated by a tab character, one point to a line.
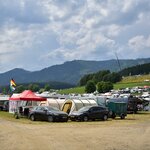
77	107
53	114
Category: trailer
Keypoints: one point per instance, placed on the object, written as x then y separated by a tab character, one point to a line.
117	109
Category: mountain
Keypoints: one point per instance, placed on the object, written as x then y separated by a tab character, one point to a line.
68	72
136	70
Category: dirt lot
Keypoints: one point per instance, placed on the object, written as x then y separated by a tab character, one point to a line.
133	133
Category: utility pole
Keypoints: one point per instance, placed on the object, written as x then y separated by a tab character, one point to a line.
118	61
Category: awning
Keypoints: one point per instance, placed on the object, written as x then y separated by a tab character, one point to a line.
27	95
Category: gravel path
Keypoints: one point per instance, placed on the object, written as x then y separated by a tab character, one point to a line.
99	135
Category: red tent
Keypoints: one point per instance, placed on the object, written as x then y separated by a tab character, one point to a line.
27	95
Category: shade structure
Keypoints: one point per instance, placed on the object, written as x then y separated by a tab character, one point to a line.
27	95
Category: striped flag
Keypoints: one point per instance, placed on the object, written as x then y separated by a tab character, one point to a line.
12	85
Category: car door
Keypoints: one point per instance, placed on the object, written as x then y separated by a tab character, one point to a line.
94	113
41	113
101	112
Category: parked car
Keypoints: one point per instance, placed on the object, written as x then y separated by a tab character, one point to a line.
90	113
47	113
1	105
4	105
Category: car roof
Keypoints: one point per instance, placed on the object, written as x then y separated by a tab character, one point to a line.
98	106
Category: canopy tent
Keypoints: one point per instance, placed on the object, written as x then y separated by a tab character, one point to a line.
27	95
25	99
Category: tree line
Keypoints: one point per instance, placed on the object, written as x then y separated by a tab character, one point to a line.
105	76
136	70
20	88
102	81
36	87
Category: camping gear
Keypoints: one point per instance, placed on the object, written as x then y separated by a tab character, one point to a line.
71	105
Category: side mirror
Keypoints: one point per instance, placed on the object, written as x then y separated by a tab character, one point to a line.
89	111
45	110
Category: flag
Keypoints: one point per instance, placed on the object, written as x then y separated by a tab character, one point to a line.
12	85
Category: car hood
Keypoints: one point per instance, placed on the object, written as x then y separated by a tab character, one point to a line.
76	113
58	112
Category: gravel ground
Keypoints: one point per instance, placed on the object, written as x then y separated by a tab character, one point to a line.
133	133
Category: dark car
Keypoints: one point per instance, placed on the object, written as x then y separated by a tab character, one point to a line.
133	104
4	105
47	113
1	105
90	113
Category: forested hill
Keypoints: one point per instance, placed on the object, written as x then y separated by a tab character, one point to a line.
136	70
68	72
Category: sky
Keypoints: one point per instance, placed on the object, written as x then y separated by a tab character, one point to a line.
35	34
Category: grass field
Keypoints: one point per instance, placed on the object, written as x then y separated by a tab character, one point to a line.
135	79
119	85
131	84
131	81
79	90
139	117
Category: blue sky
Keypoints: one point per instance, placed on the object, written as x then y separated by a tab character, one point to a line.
35	34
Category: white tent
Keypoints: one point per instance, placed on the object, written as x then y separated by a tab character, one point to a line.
75	104
53	102
68	105
13	105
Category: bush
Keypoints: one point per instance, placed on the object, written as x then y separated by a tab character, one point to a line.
90	87
103	87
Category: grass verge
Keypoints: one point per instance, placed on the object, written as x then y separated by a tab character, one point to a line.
130	119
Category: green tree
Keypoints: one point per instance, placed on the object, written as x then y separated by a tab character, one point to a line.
103	87
107	86
47	87
85	79
4	91
98	77
20	88
90	87
33	87
100	87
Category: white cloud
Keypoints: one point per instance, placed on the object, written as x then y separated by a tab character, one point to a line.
139	43
51	32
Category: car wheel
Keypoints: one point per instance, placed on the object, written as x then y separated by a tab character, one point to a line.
113	115
105	117
32	117
85	118
122	116
66	120
50	118
110	113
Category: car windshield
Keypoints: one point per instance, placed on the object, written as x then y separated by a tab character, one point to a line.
84	109
52	108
